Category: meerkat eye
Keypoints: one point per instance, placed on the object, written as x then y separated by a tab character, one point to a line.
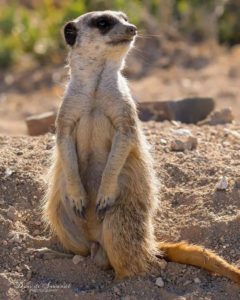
103	23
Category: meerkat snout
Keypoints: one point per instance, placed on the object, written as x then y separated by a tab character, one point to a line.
131	30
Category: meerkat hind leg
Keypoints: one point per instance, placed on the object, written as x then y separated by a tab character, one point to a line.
126	242
99	256
76	241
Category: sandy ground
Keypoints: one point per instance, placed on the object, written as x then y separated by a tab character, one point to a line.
191	209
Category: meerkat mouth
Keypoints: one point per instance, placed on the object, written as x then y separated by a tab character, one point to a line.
122	41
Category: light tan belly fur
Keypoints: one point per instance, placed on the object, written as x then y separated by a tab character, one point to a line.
94	137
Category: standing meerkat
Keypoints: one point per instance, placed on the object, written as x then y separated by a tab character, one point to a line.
102	195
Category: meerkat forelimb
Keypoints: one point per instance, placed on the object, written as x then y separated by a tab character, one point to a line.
65	123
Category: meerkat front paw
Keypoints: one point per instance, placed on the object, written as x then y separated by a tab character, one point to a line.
78	201
105	199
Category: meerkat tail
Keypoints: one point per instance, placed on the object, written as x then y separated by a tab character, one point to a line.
198	256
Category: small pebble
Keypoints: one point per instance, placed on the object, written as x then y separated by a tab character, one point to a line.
222	185
163	142
183	144
197	280
8	172
182	132
76	259
12	213
159	282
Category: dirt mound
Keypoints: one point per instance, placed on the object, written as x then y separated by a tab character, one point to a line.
191	209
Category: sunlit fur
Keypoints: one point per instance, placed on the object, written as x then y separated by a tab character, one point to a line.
102	158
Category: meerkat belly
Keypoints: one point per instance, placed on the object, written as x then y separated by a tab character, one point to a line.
94	138
94	134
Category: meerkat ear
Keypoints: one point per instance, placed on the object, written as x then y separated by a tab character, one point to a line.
70	33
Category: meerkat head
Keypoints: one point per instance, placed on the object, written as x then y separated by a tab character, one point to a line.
100	34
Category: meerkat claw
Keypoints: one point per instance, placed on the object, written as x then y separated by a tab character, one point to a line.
102	207
80	212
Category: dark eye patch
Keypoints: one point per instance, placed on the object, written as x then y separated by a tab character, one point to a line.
103	23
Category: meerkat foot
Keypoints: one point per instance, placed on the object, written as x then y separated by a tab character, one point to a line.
48	253
99	256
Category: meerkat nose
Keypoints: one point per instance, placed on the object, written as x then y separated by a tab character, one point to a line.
131	29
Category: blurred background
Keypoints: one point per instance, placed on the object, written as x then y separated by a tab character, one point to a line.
185	48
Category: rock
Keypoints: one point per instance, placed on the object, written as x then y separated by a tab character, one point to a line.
189	143
182	132
76	259
163	142
197	280
219	117
222	185
41	124
8	172
159	282
12	213
176	123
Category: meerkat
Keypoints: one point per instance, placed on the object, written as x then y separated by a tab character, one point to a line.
102	188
